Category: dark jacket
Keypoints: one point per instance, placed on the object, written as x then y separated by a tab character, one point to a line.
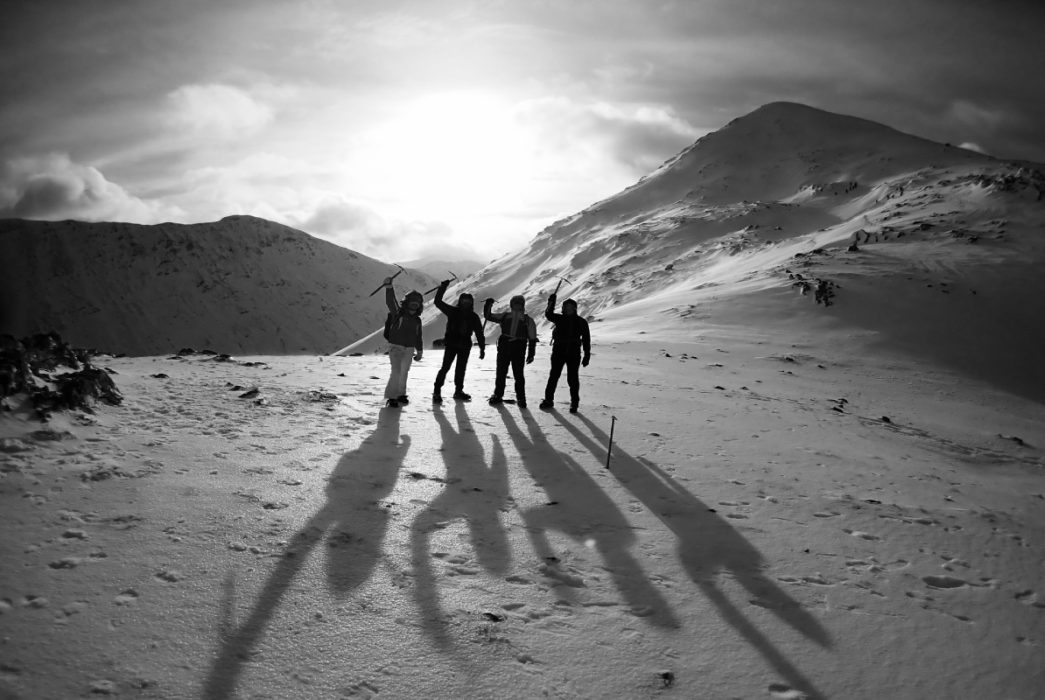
525	333
406	327
461	324
571	332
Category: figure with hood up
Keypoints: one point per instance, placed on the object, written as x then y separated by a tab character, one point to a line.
570	339
518	343
461	324
403	331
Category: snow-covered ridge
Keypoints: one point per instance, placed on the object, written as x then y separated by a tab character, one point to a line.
242	284
728	232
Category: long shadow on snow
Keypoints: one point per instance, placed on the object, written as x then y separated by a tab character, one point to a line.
474	494
579	508
708	545
356	521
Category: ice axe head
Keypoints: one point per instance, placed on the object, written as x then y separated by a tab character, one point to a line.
561	280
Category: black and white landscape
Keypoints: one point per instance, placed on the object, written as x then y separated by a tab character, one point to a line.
832	493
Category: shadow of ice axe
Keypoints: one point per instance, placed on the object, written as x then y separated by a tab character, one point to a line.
401	271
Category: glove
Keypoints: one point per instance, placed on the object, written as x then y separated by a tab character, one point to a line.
444	284
482	353
418	355
387	282
586	360
529	359
552	298
488	302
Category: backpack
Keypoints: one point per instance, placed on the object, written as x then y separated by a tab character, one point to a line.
388	323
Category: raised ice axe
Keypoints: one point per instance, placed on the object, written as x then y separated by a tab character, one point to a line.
453	278
401	271
561	280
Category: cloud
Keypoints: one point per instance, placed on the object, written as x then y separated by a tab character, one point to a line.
970	146
360	227
973	116
217	111
637	137
52	187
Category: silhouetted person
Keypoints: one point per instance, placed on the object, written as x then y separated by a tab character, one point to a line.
518	343
570	339
461	324
403	332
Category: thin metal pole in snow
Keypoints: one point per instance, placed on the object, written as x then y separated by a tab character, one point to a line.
609	450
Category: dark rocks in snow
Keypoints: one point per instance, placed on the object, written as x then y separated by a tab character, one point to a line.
54	375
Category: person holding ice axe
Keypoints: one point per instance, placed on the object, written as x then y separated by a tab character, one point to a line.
403	332
518	341
570	338
461	324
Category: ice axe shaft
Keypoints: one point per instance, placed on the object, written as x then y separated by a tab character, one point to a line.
561	280
453	278
609	449
392	277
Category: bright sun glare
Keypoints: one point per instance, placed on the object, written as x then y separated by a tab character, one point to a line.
451	154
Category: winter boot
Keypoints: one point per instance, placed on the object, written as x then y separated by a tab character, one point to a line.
403	399
437	398
494	400
461	396
392	403
546	405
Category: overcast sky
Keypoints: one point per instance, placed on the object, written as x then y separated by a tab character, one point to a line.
410	128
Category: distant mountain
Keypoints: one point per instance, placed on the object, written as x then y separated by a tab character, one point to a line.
732	230
239	285
441	269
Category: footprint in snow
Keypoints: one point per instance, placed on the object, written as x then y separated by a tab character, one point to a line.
782	691
1029	597
861	535
943	582
126	597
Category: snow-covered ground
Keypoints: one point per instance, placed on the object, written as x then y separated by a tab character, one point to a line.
802	501
785	515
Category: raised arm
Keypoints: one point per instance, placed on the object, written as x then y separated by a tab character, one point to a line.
487	314
390	296
549	312
439	303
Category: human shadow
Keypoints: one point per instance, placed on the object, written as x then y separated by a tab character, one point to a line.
354	521
473	493
708	546
580	509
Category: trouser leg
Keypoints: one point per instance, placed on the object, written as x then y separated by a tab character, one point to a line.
440	376
553	376
462	366
504	359
399	358
573	364
518	370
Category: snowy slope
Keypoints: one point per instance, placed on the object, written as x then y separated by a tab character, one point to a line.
950	245
241	284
